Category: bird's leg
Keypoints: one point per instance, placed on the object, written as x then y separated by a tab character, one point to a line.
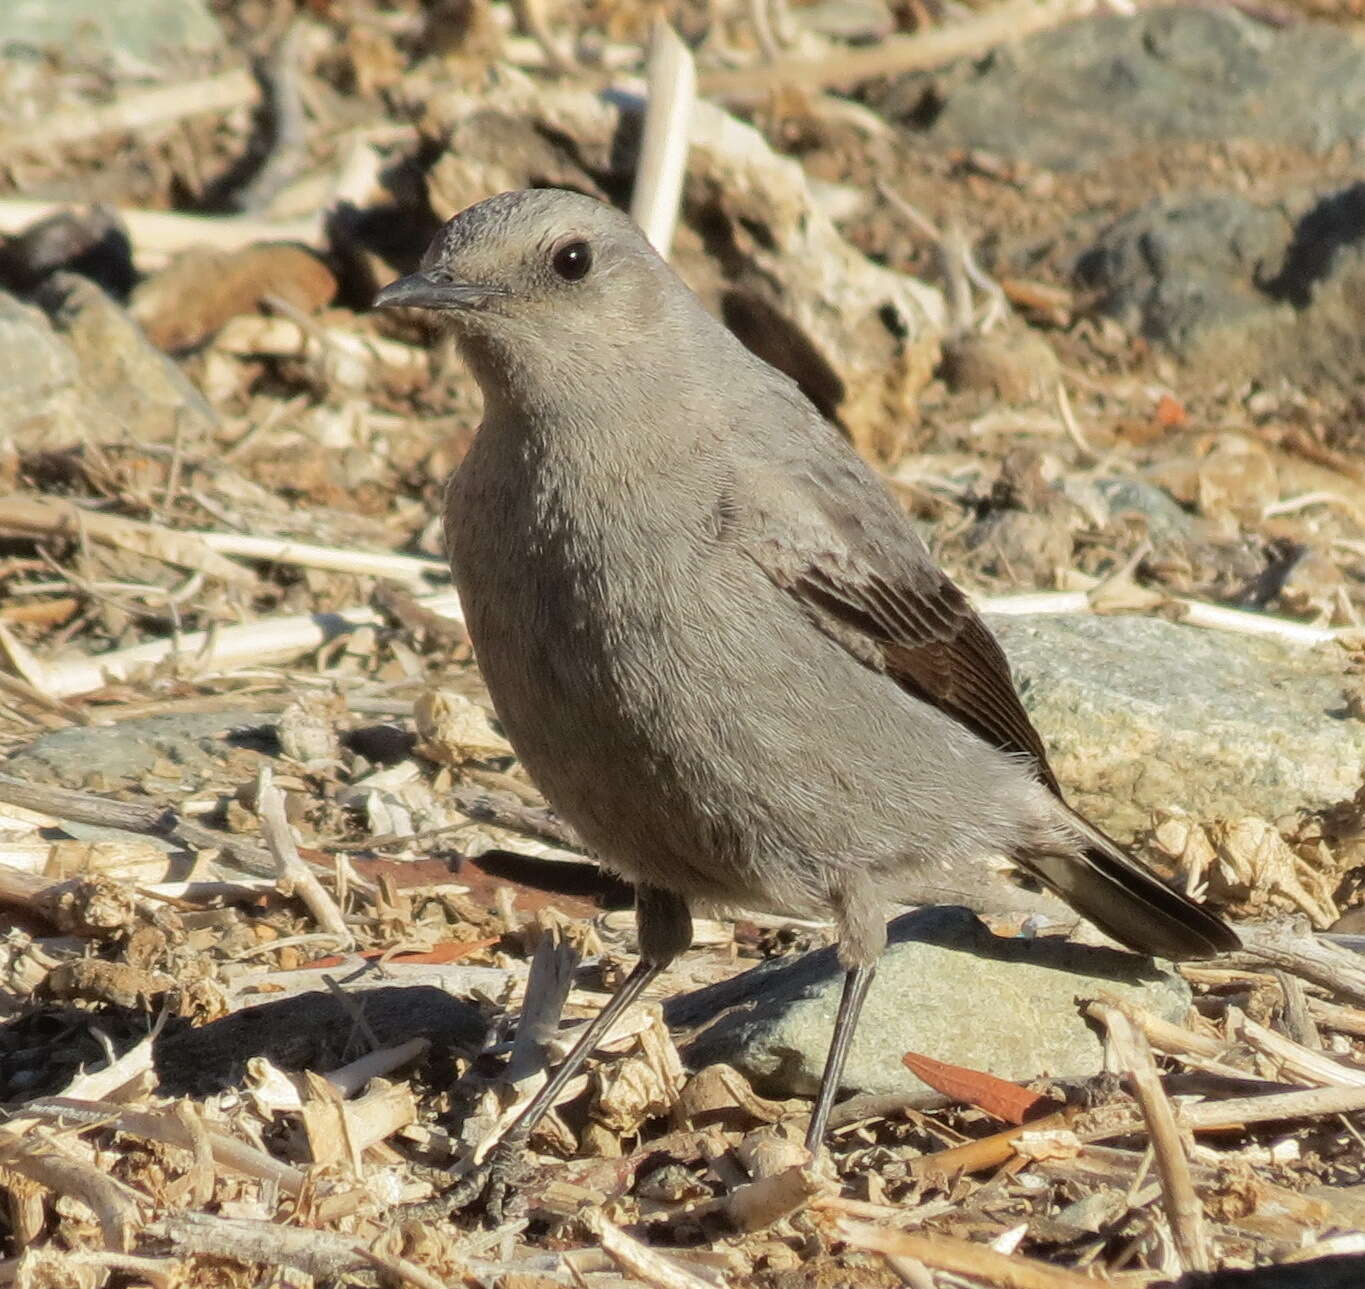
665	930
508	1155
857	980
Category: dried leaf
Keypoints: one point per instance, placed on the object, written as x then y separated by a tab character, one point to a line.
1004	1100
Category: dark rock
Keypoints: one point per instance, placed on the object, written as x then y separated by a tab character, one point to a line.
1344	1272
1096	89
93	243
1174	269
1247	290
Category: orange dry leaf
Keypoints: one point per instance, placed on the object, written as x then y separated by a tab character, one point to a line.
442	953
1006	1101
1170	412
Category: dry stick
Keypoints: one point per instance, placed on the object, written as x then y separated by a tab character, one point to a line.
672	80
320	1254
228	1152
300	336
1312	1103
476	804
1183	1209
37	517
547	990
281	74
158	235
533	20
25	692
48	1265
284	550
944	1253
26	516
1336	970
1304	1064
1344	1020
1215	1116
349	1079
1197	1050
132	113
639	1260
296	878
1006	22
1193	613
765	1201
155	821
114	1204
273	640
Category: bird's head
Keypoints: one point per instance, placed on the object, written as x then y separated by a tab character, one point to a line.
539	264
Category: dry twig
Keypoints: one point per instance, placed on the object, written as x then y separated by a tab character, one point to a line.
296	878
1183	1209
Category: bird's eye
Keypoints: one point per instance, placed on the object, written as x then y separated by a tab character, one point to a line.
572	260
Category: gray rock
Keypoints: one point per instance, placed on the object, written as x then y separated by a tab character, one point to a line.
132	35
41	402
1141	714
1173	269
1164	515
1250	290
946	988
80	370
1099	88
122	371
195	743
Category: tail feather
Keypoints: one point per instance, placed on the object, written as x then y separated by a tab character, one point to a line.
1128	903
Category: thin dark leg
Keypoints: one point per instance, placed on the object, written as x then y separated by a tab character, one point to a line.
631	988
665	931
497	1171
857	980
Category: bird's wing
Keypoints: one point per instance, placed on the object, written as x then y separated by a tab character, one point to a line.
832	537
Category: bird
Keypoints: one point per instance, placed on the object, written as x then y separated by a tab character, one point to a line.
711	633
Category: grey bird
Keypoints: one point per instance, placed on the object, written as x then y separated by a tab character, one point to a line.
711	633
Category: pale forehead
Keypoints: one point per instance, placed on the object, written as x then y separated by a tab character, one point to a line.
520	217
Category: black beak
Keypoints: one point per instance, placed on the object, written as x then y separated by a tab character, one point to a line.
421	291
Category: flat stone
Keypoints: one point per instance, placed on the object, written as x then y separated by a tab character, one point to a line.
148	34
946	988
1140	714
195	743
1082	94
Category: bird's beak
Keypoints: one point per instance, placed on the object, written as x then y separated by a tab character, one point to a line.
421	291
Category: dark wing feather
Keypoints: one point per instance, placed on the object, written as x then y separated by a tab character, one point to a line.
926	636
838	543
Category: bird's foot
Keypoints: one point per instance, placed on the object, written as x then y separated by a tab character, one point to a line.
488	1191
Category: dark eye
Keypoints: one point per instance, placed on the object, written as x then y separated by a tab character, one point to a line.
572	260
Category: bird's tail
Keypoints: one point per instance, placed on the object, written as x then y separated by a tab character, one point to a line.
1128	903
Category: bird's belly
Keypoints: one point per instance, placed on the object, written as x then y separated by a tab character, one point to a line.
701	735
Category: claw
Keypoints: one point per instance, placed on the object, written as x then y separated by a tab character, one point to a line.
489	1190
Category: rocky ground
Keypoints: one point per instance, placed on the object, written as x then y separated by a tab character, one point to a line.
287	932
